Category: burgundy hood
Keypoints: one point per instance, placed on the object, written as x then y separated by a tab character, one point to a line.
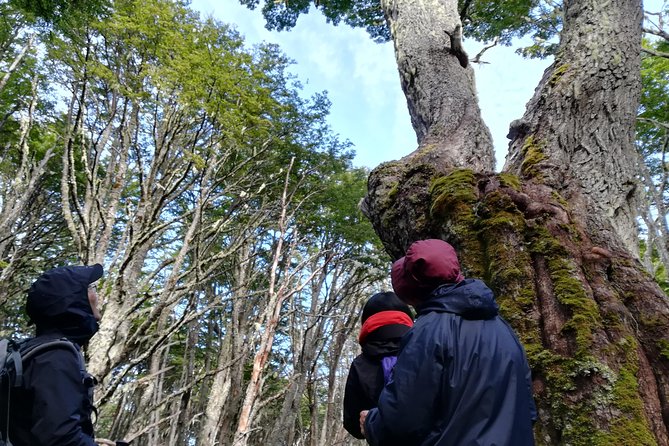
427	265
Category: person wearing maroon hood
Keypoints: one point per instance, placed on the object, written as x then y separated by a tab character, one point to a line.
461	377
54	404
385	319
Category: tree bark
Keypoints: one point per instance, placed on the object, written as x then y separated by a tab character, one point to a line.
577	133
277	293
440	92
554	235
234	348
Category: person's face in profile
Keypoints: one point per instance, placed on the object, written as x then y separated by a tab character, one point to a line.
93	300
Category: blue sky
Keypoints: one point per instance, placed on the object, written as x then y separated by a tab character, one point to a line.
360	76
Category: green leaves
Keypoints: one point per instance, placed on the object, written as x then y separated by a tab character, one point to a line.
488	20
653	122
283	15
483	20
62	14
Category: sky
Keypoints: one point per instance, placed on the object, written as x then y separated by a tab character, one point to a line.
361	80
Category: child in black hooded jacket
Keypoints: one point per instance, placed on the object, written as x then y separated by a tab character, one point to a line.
385	319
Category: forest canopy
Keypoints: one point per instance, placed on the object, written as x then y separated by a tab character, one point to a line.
139	135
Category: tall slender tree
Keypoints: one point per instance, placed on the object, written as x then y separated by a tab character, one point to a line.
652	142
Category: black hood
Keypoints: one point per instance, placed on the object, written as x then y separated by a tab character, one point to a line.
471	299
58	301
385	301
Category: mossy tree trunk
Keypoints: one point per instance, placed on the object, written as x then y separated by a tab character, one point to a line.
554	234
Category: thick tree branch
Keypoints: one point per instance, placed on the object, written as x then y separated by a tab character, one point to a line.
655	53
657	32
15	63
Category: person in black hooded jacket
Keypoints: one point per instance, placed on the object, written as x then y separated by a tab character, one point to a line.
385	319
462	377
55	404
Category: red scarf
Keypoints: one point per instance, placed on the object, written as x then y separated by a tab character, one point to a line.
382	318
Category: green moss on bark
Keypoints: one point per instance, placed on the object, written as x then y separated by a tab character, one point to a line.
611	389
585	317
392	193
532	155
663	345
498	244
568	289
453	199
629	425
509	180
557	74
455	190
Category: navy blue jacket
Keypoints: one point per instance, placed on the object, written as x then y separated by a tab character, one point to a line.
461	377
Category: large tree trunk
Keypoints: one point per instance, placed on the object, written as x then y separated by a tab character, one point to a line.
577	133
555	234
443	105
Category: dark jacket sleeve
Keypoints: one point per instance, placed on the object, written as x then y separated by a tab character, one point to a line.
363	386
354	402
528	377
407	404
528	374
59	396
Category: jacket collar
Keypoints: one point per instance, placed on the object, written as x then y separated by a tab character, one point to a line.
470	298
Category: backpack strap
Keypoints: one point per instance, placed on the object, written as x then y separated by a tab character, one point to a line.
20	355
87	379
9	356
16	355
387	364
36	349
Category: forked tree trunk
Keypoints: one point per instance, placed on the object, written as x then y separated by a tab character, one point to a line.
440	91
554	235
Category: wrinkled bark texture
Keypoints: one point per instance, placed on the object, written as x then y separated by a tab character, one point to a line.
576	134
553	235
440	93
